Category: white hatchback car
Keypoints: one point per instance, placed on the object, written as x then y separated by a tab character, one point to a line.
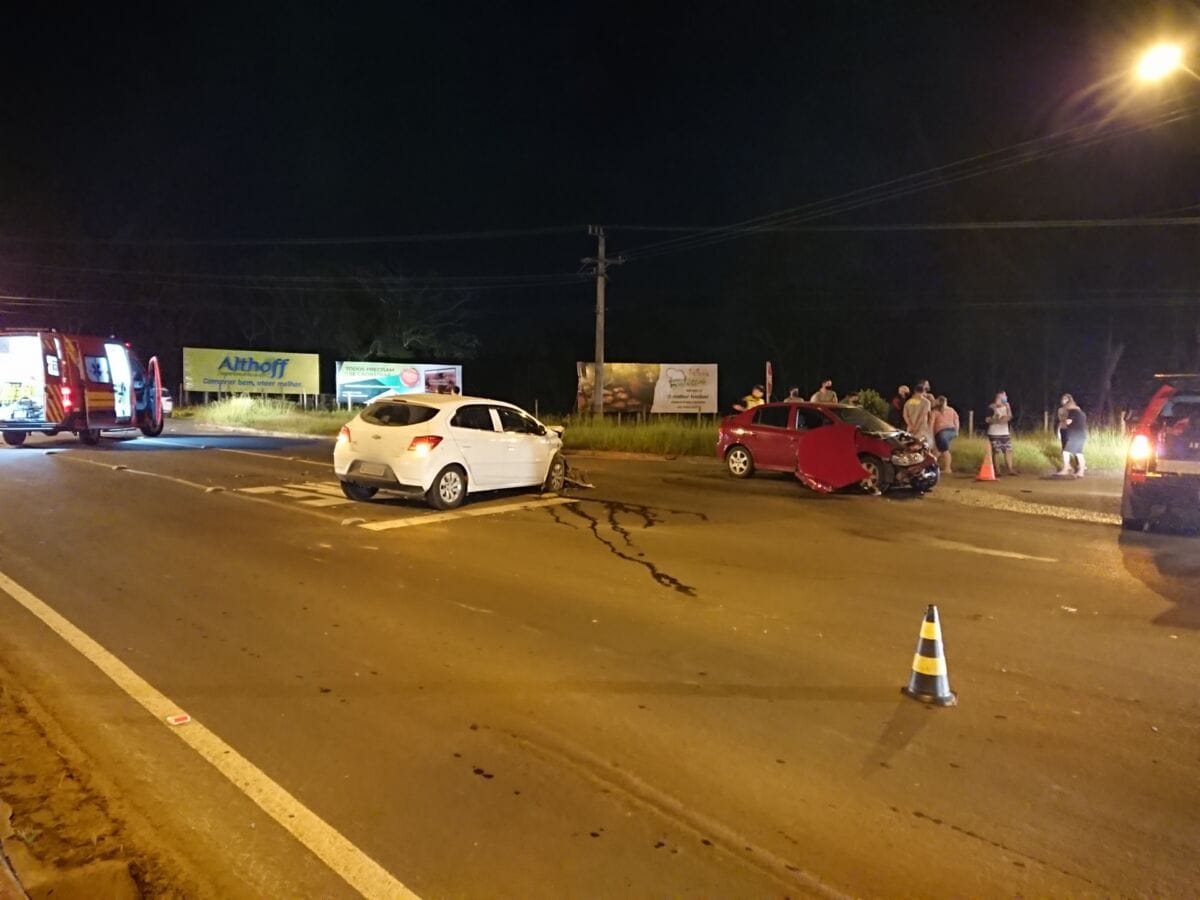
445	446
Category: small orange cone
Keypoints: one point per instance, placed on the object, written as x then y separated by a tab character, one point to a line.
987	472
929	682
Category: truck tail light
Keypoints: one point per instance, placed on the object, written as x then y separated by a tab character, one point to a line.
68	402
344	435
1140	451
423	446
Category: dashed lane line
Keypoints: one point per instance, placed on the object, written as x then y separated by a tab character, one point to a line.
988	551
275	456
325	842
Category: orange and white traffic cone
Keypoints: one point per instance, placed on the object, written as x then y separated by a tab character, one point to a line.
929	681
987	472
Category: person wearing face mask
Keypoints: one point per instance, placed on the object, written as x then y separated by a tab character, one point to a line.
999	416
826	394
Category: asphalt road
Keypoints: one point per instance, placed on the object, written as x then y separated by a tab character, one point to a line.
677	685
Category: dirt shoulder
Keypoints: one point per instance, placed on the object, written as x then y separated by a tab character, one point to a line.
69	838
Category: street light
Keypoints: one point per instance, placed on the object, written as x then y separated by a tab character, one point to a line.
1160	61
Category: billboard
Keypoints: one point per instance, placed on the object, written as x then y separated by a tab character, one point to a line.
358	382
651	387
250	371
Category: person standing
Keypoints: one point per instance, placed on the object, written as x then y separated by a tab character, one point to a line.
1062	421
895	414
999	436
752	399
826	394
945	430
793	396
1075	435
918	416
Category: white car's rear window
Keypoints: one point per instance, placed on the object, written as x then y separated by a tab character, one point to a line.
396	412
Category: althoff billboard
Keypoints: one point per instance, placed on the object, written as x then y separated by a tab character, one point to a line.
250	371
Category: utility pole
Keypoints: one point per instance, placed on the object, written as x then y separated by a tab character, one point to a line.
601	263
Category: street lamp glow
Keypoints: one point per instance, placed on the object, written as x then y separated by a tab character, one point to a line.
1159	61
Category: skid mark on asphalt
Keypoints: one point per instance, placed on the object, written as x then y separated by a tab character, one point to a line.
1007	849
649	519
354	866
988	551
554	750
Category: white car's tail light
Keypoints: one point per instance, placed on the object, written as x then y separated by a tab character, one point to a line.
422	446
344	435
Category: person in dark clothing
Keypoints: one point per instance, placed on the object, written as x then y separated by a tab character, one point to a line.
895	415
1074	429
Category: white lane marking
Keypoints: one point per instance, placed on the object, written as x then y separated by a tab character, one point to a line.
1003	503
325	842
478	609
277	489
988	551
329	489
103	465
434	518
326	501
309	494
275	456
243	493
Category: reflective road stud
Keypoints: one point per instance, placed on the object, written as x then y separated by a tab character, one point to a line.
929	682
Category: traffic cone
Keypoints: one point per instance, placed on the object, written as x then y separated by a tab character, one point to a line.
929	682
987	472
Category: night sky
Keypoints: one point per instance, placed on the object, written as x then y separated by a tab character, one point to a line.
200	124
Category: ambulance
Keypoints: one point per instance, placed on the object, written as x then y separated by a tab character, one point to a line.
52	382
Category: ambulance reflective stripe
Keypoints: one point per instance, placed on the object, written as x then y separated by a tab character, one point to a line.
99	399
54	405
55	411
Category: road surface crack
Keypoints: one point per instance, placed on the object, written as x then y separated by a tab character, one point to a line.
626	548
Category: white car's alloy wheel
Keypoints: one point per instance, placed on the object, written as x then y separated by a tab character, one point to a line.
449	488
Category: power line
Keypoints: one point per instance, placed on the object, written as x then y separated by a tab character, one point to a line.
344	283
427	237
971	167
974	225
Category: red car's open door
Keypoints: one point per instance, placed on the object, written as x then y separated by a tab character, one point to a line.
827	458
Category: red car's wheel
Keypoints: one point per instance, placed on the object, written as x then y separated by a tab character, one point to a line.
878	479
739	462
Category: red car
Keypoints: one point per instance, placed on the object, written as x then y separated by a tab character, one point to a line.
826	445
1162	469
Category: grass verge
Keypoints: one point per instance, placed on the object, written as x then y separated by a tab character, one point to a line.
663	436
266	414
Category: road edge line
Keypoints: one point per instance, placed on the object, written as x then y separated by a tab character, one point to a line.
320	838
